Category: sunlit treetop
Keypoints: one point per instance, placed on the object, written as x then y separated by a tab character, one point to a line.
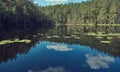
54	2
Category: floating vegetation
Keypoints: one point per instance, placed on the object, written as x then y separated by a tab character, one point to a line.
14	41
109	38
106	42
77	32
87	24
77	38
48	36
42	34
5	41
2	43
27	41
34	35
73	35
91	34
108	24
22	40
114	34
56	36
101	24
38	33
102	34
67	37
99	37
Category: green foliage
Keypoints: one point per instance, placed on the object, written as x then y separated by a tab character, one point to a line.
89	12
21	14
24	13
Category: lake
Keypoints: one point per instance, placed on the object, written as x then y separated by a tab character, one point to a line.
61	49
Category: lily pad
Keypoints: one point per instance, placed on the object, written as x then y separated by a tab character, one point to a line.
1	43
73	35
22	40
114	34
10	42
16	40
106	42
38	33
42	34
56	36
5	41
91	34
77	32
99	37
100	32
109	38
67	37
34	35
48	36
27	41
77	37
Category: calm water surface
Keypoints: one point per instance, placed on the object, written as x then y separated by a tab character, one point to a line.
49	53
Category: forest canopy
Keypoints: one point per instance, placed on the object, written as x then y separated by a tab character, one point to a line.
25	13
21	14
90	11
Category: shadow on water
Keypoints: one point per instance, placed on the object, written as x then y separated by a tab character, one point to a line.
10	50
59	34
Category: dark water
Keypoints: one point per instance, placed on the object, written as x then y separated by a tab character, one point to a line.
63	49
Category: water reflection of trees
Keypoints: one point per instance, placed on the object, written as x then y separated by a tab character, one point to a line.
80	29
11	50
113	48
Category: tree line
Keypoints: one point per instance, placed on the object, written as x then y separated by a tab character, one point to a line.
19	14
87	12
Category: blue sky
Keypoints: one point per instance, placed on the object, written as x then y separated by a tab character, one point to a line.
53	2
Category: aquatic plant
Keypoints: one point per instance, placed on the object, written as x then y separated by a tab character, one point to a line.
105	42
99	37
3	42
56	36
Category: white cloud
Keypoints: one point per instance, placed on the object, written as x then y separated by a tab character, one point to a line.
59	47
50	69
35	2
56	0
99	61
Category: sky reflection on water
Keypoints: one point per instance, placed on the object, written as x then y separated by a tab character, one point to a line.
62	57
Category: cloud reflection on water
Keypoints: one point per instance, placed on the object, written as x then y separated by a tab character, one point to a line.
59	47
99	61
50	69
